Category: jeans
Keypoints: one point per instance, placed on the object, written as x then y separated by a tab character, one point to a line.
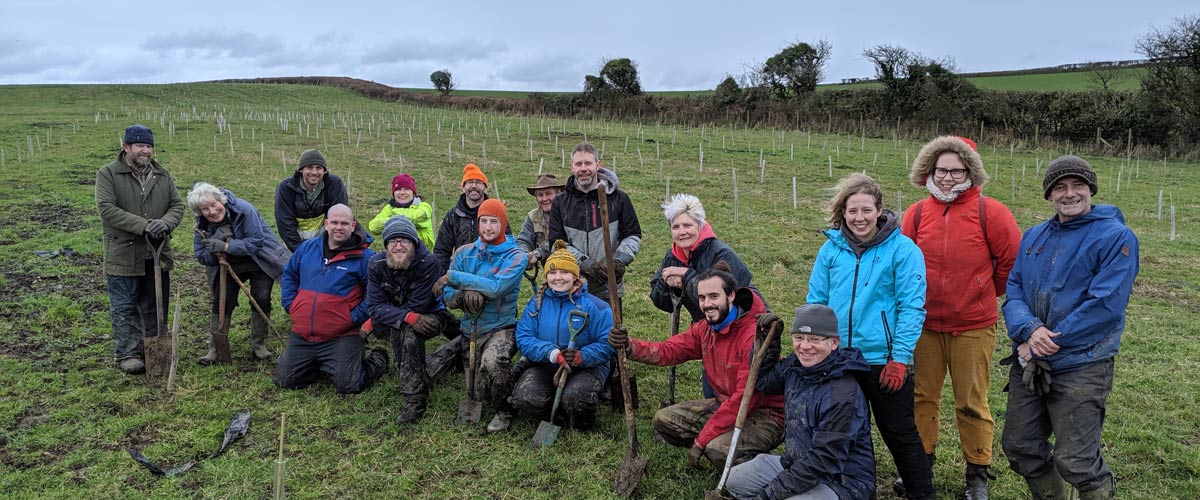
131	310
1074	412
893	415
750	478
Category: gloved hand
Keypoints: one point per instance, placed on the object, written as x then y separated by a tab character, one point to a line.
618	269
563	365
472	302
599	269
454	301
214	246
572	356
366	328
618	338
427	326
440	285
156	228
694	455
223	232
1036	377
767	321
891	379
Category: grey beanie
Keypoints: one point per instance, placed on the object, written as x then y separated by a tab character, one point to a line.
815	319
311	157
1066	166
138	134
399	227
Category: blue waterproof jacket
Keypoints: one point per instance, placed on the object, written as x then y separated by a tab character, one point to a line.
543	329
251	237
889	277
828	433
492	270
1074	278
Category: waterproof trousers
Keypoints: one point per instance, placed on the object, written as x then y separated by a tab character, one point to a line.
534	392
494	352
893	416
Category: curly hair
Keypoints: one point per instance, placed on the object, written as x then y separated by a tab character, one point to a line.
849	186
684	204
202	193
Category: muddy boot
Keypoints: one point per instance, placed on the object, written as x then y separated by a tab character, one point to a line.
977	482
210	357
501	422
1102	493
258	337
414	409
132	366
1047	486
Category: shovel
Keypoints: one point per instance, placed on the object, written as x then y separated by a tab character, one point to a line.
634	465
470	409
547	432
157	348
744	408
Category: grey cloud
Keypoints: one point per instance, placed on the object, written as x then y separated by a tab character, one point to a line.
29	59
426	50
214	45
559	72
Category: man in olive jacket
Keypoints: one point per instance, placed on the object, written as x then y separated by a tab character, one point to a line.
138	203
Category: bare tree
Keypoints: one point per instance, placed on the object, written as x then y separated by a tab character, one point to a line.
1104	75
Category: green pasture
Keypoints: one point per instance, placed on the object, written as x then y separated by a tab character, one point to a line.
67	414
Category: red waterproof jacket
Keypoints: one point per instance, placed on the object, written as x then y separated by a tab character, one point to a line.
965	271
726	357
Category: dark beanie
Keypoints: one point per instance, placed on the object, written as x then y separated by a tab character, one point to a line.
311	157
138	134
399	227
1067	166
815	319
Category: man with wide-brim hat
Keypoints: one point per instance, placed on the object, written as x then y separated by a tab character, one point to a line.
532	239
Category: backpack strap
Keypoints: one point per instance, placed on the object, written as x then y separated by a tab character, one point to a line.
917	218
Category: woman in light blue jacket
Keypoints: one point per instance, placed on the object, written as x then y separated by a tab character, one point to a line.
874	278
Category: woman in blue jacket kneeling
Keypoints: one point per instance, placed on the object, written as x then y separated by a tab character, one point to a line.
561	309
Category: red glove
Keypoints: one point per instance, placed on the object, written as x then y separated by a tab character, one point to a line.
367	327
891	379
572	356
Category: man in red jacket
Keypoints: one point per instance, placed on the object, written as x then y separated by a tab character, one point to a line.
724	342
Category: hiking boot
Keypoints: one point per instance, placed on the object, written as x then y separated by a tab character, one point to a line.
414	409
500	422
1101	493
132	366
898	488
1049	486
977	482
258	337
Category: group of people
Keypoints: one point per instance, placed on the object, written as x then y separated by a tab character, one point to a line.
894	304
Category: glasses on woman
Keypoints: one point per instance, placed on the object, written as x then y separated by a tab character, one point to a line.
957	174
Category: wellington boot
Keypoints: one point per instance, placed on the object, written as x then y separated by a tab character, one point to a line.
258	337
210	357
1047	486
1101	493
501	422
977	482
414	409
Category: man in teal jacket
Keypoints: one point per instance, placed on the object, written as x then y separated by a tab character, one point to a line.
1065	312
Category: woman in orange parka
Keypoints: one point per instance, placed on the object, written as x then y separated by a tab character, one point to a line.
969	242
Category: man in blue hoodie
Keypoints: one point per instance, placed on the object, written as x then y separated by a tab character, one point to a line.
828	452
1065	312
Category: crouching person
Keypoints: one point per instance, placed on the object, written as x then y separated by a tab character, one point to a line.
723	340
322	289
828	452
403	309
563	328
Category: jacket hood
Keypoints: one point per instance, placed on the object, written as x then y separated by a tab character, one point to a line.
509	242
1097	213
888	224
607	178
836	365
706	233
926	160
748	302
359	239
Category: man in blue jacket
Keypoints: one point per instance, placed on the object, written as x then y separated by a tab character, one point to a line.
828	452
322	289
403	308
1065	312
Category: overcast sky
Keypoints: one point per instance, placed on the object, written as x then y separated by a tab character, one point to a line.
541	45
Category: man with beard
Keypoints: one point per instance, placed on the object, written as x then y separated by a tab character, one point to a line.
724	342
458	226
532	238
322	289
402	307
139	207
575	218
302	200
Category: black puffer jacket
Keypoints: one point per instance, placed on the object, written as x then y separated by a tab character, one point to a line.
575	219
458	228
291	205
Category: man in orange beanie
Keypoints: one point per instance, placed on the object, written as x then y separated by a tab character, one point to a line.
458	226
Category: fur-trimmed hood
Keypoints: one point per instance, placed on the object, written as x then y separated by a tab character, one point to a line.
926	160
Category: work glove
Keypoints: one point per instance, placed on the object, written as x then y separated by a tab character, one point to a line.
223	233
767	321
563	365
472	302
214	246
156	228
571	356
891	379
426	325
1036	377
618	269
440	285
454	301
618	338
694	454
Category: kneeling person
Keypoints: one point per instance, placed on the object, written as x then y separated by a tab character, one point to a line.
723	341
561	314
403	308
322	289
828	454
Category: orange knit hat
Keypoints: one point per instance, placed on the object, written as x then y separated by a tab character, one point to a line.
472	173
494	208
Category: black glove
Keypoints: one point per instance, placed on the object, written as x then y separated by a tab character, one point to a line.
439	286
1036	377
694	455
472	302
427	326
223	232
454	302
618	269
599	269
618	338
156	228
767	321
214	246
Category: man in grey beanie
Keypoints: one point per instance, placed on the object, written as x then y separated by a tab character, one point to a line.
302	200
1065	311
403	308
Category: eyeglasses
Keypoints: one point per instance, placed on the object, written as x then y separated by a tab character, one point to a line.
398	241
957	174
811	339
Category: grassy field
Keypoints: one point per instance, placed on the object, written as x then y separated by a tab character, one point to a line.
1129	79
67	415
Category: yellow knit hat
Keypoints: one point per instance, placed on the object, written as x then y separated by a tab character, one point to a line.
562	259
